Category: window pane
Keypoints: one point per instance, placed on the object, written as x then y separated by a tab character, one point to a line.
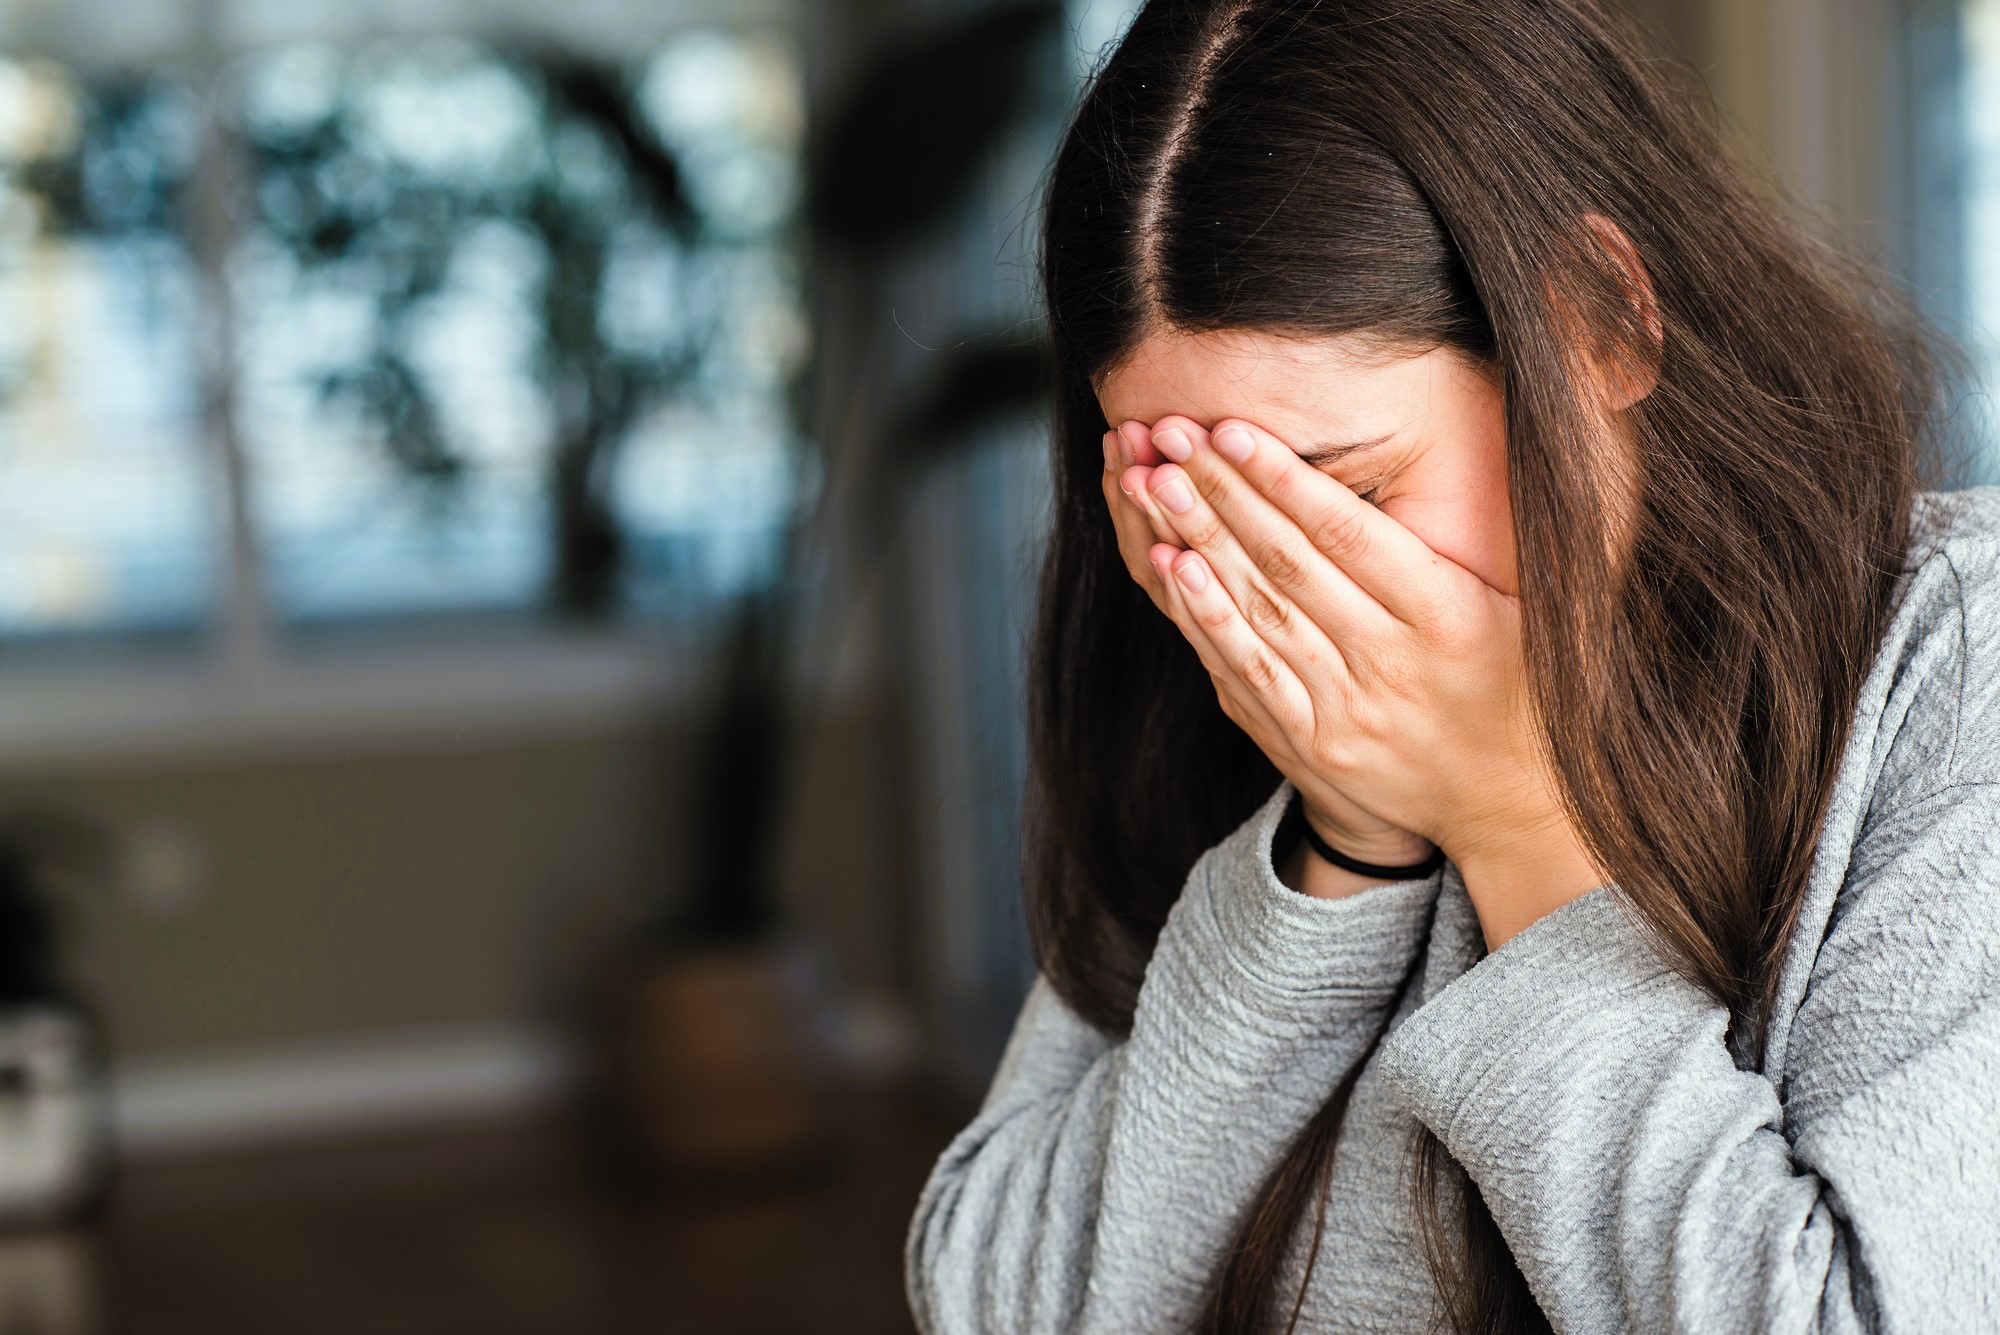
514	328
1980	241
105	514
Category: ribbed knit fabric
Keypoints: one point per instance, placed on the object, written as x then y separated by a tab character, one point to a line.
1643	1178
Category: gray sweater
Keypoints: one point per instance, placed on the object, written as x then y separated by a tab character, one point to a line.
1642	1177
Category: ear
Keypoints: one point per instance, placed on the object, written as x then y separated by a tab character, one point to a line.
1630	380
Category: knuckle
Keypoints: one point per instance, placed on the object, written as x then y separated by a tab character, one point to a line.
1283	564
1396	670
1444	628
1366	719
1268	615
1209	484
1214	619
1434	629
1340	532
1285	487
1333	752
1201	529
1358	709
1259	672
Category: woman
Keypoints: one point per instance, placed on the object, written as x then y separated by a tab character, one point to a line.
1515	773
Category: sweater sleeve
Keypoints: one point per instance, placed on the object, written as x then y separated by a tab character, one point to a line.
1101	1181
1645	1183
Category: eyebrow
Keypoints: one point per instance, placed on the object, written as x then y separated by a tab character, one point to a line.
1333	452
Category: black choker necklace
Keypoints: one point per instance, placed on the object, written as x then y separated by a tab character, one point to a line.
1295	815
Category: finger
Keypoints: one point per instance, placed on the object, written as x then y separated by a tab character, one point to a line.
1396	567
1238	703
1138	438
1133	531
1136	448
1269	564
1207	615
1134	484
1291	595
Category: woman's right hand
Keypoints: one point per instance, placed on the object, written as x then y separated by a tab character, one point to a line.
1129	458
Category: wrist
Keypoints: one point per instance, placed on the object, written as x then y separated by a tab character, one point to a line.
1516	881
1388	848
1309	873
1313	876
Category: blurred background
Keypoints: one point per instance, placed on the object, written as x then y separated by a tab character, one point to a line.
517	533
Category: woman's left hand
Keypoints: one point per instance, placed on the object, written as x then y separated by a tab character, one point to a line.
1398	672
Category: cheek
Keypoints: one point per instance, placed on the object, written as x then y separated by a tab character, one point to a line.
1473	527
1457	499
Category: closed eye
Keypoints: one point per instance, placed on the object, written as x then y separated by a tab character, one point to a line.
1373	492
1368	496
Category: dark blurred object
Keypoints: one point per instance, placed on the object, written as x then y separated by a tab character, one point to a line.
920	124
709	1043
49	1285
55	1113
716	1066
603	390
125	171
723	1085
973	387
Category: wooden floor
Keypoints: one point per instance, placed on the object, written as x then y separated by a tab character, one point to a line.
497	1230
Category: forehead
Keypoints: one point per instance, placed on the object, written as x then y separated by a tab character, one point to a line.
1283	384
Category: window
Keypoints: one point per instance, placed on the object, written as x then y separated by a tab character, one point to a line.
1977	227
502	330
106	521
1950	69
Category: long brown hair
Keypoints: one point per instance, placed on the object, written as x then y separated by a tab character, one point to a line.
1419	171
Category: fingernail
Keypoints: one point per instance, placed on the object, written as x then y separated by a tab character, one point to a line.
1110	451
1234	443
1125	451
1174	494
1192	575
1173	443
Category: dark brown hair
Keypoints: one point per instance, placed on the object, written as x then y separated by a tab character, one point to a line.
1419	171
